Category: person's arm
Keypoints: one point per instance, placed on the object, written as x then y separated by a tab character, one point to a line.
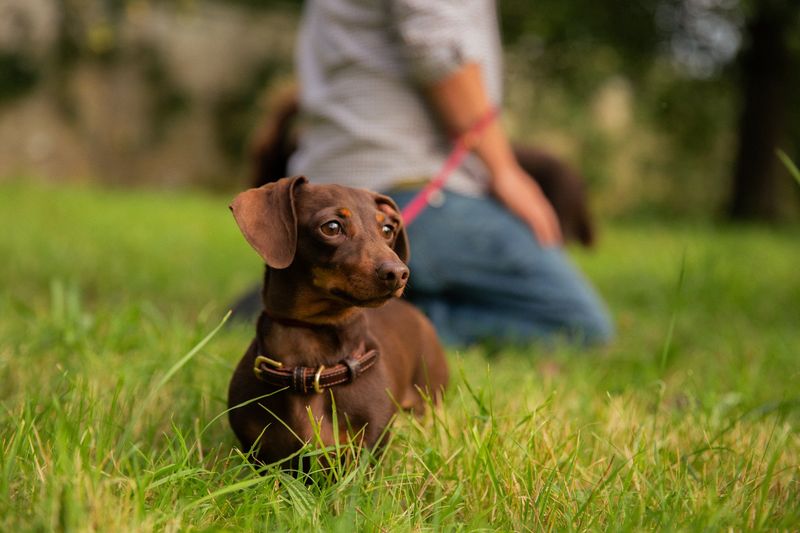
460	100
435	46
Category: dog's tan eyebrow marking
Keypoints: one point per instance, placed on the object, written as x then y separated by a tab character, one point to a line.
344	212
380	217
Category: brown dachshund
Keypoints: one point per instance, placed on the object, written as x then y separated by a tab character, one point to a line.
333	331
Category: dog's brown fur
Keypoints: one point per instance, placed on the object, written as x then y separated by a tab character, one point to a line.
565	189
326	298
562	185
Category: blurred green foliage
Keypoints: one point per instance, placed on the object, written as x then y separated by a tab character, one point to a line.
18	75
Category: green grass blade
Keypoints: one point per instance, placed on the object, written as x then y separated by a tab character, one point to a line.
789	164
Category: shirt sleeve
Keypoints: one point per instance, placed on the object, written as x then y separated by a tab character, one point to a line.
433	35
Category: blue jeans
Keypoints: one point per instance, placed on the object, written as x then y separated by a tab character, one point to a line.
479	273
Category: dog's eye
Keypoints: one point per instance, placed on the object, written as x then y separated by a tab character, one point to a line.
331	228
387	230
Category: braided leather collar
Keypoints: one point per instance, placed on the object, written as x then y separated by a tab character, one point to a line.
306	379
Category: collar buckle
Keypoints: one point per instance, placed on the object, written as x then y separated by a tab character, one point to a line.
317	387
262	360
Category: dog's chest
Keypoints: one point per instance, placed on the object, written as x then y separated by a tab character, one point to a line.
333	417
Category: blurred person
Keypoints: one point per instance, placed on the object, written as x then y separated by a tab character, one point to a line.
385	85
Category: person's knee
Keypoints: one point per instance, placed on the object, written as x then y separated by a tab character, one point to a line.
593	327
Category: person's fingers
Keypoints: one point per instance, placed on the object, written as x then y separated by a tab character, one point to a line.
545	226
555	227
546	233
523	197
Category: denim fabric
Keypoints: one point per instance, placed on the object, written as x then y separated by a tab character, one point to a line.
479	274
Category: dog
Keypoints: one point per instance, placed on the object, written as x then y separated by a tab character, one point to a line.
333	333
564	187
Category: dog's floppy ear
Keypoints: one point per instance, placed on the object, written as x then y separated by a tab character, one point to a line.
268	220
401	247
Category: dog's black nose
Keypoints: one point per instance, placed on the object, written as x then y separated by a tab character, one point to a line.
393	273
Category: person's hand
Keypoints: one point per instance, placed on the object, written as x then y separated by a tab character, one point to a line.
523	197
461	99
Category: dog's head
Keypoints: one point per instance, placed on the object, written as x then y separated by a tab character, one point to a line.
348	243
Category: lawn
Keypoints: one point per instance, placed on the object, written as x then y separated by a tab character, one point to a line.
112	396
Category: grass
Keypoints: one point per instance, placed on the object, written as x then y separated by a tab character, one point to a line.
112	406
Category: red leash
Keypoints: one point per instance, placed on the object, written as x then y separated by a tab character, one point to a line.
463	145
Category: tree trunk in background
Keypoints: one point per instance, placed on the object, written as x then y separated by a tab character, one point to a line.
764	67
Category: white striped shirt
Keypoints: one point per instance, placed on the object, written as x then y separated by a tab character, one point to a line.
362	66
